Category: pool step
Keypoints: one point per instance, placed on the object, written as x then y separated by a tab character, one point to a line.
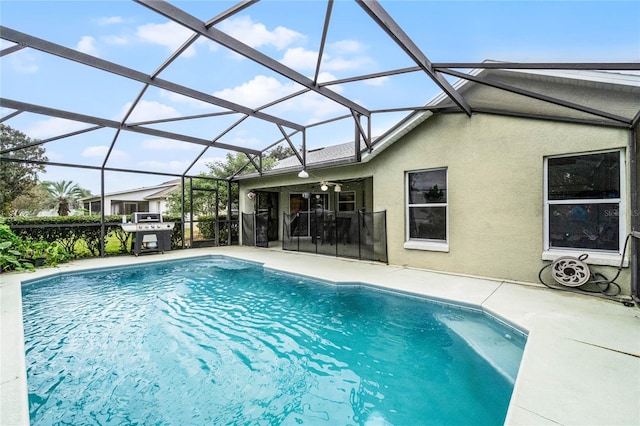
502	350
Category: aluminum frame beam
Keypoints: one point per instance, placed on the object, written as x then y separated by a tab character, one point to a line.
323	40
384	20
131	74
11	49
539	96
608	66
372	8
194	24
52	112
231	11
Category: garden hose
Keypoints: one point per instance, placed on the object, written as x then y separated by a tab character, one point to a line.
606	288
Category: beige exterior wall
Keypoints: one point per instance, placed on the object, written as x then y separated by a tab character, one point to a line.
495	186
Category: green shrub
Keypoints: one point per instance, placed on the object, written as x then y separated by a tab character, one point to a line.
11	247
207	227
62	238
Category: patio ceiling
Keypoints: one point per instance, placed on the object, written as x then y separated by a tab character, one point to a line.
227	115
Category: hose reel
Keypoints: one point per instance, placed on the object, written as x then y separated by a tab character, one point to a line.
570	271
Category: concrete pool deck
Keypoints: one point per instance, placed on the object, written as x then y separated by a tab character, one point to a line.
581	364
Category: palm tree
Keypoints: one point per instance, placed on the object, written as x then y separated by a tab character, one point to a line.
63	194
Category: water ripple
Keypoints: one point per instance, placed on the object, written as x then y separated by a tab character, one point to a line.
221	342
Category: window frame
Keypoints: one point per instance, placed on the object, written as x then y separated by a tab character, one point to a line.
344	203
595	256
423	243
309	205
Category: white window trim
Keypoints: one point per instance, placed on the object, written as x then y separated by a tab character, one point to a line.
427	245
354	202
420	244
596	257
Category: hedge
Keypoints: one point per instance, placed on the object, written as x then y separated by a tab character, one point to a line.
69	230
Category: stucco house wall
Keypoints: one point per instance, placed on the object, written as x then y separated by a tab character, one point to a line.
495	167
495	173
495	186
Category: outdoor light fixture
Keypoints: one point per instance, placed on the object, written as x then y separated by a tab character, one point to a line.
303	174
325	185
251	195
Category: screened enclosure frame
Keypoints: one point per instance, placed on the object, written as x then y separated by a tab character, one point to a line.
360	116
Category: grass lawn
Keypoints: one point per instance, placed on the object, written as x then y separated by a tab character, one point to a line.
112	247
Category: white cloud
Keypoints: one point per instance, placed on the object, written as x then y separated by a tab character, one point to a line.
344	55
318	105
23	62
148	111
170	35
340	63
259	91
346	46
167	144
109	20
327	76
300	59
256	34
193	103
53	127
87	44
165	166
115	40
100	151
262	90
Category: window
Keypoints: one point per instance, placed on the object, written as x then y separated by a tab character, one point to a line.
130	208
347	201
301	206
426	213
584	202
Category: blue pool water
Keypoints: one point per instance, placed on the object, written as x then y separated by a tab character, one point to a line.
217	341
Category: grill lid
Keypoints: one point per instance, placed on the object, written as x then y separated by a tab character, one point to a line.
146	217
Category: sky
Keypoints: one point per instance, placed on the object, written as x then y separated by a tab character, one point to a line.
130	34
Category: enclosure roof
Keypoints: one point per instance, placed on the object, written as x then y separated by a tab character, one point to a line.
607	82
302	107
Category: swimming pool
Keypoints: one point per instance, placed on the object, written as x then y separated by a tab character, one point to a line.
216	341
